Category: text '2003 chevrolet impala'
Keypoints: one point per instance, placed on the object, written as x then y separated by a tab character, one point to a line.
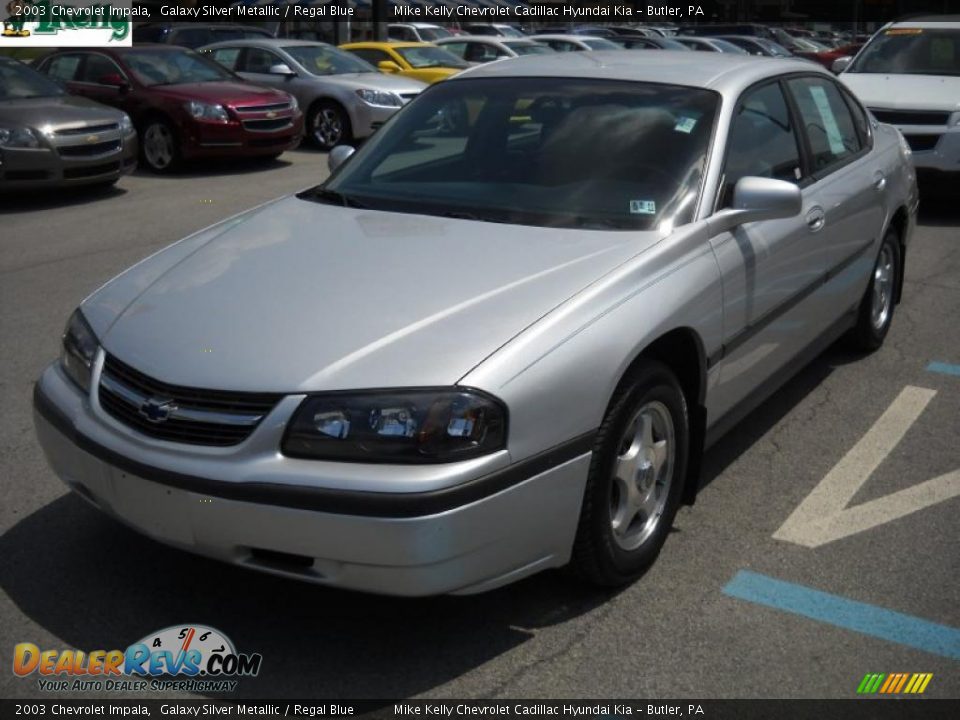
489	347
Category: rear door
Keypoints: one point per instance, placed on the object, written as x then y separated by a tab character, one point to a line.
770	269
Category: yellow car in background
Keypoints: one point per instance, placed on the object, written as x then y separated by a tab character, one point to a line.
418	60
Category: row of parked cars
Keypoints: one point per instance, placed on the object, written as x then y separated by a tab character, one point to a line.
250	94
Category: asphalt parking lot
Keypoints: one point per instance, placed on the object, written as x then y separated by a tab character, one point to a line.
729	610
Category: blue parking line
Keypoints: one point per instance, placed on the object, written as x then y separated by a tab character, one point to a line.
849	614
945	368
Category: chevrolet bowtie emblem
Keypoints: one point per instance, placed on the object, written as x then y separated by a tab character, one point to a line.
91	138
271	114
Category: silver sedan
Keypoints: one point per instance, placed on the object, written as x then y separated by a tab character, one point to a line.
478	352
343	97
478	49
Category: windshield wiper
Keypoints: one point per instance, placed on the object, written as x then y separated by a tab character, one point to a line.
333	197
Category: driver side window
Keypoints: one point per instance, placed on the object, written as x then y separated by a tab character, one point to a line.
762	141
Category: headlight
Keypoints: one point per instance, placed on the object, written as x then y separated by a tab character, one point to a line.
207	111
79	350
126	124
379	97
18	137
403	426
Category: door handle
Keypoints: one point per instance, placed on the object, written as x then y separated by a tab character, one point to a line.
879	181
816	219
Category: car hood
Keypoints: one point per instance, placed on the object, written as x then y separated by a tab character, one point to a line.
63	110
905	92
225	93
299	296
374	81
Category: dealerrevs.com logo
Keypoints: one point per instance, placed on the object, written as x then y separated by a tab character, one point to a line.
66	23
191	658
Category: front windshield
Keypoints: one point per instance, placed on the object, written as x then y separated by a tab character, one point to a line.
430	56
171	67
524	47
601	44
327	60
775	49
508	31
912	51
556	152
18	82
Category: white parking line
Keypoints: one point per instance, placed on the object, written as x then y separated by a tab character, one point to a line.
824	516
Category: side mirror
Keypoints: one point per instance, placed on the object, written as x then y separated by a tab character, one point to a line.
281	69
755	199
338	156
841	64
388	66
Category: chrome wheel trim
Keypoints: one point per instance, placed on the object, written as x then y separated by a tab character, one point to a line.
882	290
158	146
642	475
327	127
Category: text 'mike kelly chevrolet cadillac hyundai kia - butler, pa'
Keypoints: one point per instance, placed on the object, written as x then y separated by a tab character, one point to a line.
483	349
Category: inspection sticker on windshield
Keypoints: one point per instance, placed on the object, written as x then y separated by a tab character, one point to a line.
834	136
643	207
685	124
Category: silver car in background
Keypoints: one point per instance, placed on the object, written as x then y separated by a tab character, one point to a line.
343	97
474	353
51	139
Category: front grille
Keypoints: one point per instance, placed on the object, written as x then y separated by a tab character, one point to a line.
87	130
263	108
922	142
267	125
101	148
910	117
196	416
90	171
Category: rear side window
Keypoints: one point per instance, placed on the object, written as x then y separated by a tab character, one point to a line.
763	142
226	57
457	48
371	55
827	122
63	67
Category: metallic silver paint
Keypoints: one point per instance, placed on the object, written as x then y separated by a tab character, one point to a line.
296	296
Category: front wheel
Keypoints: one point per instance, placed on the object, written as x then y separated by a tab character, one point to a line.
328	125
159	147
635	480
876	308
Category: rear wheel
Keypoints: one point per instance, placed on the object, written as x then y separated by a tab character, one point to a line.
159	148
636	478
328	125
876	308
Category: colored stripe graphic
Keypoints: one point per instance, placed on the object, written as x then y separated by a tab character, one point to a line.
945	368
894	683
848	614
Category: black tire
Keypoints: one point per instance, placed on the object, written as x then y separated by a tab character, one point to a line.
151	156
601	554
873	324
328	125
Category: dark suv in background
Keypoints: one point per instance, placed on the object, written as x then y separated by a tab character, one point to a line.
193	35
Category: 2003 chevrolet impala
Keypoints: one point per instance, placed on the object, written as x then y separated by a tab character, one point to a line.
500	336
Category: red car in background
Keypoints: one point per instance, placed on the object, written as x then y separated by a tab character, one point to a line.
183	105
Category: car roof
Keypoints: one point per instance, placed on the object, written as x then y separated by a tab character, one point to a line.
418	25
720	71
265	42
382	44
570	38
951	22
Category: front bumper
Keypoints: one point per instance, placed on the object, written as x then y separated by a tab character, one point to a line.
233	139
28	168
472	537
933	148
